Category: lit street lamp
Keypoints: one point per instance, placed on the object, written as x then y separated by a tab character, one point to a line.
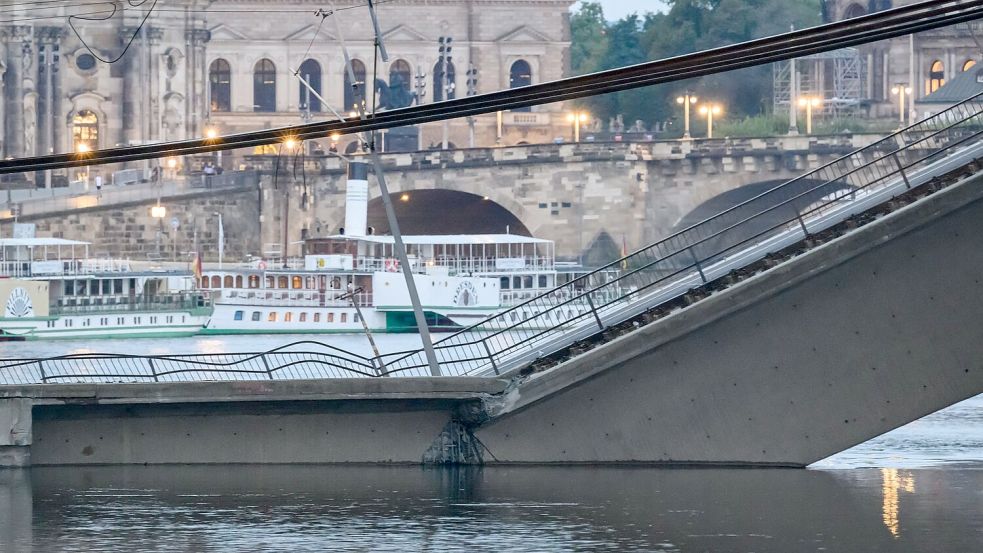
900	90
809	102
159	212
211	133
686	100
577	118
708	111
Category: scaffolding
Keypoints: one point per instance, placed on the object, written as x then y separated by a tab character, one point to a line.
838	77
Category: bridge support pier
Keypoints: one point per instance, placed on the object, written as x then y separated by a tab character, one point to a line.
15	432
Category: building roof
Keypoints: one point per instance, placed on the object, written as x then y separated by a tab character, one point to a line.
432	239
965	85
39	242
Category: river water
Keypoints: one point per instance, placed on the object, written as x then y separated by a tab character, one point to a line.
918	489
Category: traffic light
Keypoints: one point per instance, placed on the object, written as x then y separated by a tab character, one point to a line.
472	80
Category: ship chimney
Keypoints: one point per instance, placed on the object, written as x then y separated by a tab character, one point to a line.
357	199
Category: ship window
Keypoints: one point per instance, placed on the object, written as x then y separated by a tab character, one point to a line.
216	281
153	320
515	317
527	282
107	287
238	281
303	317
69	287
288	316
170	319
317	317
137	320
297	282
336	283
80	288
505	283
542	279
269	282
516	282
344	317
68	322
118	286
330	317
309	283
281	282
253	281
255	315
355	318
238	316
119	321
228	282
272	317
204	282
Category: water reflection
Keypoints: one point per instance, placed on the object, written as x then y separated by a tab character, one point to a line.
308	508
895	481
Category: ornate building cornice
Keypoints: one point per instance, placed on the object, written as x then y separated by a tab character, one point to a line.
16	33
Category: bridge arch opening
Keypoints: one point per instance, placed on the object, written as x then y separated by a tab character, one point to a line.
436	211
761	216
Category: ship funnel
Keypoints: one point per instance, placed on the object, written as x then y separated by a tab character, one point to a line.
357	199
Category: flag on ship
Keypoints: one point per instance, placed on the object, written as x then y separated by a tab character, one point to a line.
196	268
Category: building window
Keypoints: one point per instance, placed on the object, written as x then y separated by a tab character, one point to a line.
936	77
438	81
85	131
220	86
255	316
355	92
310	70
238	316
520	75
264	86
854	10
85	62
272	317
968	65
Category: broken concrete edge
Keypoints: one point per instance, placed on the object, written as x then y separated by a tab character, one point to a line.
421	388
528	389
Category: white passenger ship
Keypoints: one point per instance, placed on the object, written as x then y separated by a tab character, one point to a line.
49	292
461	280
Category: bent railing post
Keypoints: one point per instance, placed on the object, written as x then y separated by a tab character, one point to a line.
266	364
597	317
491	356
904	177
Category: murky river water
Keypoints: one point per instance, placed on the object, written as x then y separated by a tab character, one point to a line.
918	489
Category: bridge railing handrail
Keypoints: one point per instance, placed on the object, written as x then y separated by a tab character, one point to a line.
589	303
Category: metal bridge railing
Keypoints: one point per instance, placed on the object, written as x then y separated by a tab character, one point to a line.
585	306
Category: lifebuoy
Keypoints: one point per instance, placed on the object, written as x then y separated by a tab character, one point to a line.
392	265
261	265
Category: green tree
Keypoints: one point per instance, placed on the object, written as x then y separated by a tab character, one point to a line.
589	41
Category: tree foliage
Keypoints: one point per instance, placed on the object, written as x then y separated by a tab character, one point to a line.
687	26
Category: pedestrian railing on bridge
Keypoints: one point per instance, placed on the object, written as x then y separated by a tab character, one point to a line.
647	278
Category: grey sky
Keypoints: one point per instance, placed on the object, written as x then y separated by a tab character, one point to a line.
616	9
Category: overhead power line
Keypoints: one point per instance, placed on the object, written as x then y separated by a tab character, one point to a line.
878	26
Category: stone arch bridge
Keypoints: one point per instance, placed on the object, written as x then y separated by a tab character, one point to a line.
624	195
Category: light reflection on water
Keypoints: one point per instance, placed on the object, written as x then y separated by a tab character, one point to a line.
918	488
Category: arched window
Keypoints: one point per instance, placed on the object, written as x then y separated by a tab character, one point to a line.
204	282
216	281
400	75
968	65
310	70
264	86
854	10
85	130
355	92
220	86
438	81
238	281
520	75
936	77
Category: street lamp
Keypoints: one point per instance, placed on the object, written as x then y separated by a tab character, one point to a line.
709	110
221	239
577	118
809	102
211	134
686	100
159	212
900	90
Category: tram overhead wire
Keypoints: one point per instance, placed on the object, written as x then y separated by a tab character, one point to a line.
882	25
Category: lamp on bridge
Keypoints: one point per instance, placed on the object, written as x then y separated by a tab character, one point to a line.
809	102
212	135
686	100
577	118
900	90
708	110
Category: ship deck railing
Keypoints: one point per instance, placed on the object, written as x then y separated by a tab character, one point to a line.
310	298
101	304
